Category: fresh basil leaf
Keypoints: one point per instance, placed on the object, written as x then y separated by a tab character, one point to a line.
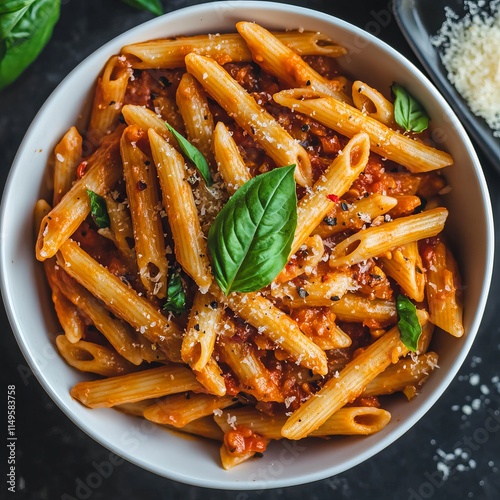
153	6
408	324
193	154
408	112
26	27
251	237
98	209
176	296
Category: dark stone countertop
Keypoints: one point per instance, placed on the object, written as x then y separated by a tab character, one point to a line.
54	456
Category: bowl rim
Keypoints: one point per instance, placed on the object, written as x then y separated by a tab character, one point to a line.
111	47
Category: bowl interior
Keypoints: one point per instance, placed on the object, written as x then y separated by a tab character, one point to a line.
196	461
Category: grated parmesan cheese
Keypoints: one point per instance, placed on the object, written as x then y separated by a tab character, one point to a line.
469	51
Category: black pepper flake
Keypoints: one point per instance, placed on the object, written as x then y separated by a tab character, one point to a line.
147	163
253	130
308	82
197	327
112	103
344	206
141	185
334	298
305	127
214	304
375	276
121	119
165	81
418	270
302	292
188	395
330	221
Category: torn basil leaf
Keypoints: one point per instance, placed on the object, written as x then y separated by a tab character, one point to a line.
98	209
176	296
408	324
408	112
193	154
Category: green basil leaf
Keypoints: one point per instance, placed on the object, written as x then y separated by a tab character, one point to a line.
153	6
408	112
251	237
25	29
193	154
176	296
408	324
98	209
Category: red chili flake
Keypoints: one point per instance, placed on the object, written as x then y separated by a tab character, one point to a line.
81	169
333	197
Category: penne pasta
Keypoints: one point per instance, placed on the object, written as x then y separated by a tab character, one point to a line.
67	157
254	119
222	48
349	121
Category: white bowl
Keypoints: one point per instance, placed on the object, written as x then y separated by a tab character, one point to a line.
193	461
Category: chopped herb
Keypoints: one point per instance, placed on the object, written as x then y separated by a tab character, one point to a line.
98	209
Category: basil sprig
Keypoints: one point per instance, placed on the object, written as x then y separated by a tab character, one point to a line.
25	28
193	154
153	6
408	112
251	237
408	324
98	209
176	296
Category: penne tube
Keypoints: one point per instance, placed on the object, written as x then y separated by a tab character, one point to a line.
343	389
198	120
277	59
223	48
203	427
443	288
166	108
69	316
336	180
120	299
347	120
109	96
353	420
179	410
277	326
190	243
120	230
372	103
405	266
118	334
143	198
211	378
201	331
231	166
89	357
135	409
253	376
376	240
356	308
67	158
228	460
407	371
254	119
103	171
354	215
146	119
137	386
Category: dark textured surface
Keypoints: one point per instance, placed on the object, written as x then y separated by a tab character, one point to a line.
459	437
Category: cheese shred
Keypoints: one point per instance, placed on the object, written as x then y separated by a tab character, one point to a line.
469	51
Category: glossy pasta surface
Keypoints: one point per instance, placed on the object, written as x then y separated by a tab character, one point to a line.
316	351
